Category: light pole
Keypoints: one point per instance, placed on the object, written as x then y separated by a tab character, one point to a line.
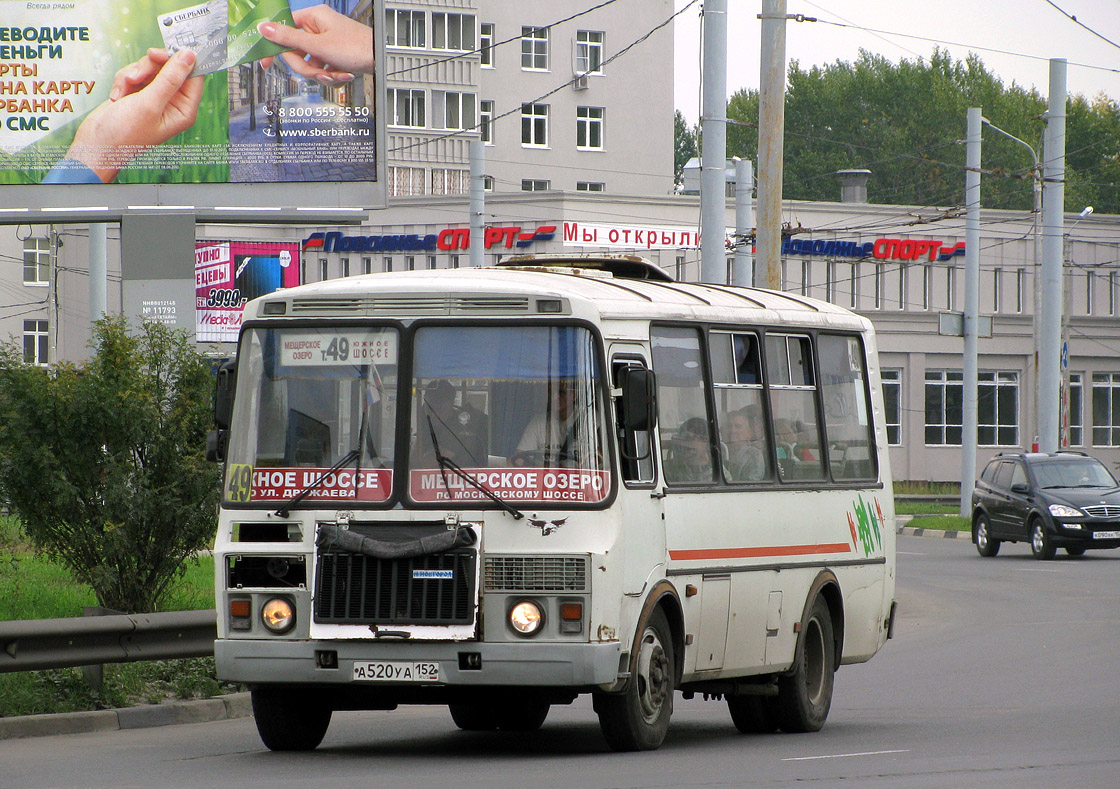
1036	212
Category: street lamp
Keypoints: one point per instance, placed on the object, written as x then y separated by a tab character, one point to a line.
1036	213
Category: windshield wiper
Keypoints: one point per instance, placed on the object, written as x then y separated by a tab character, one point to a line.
447	464
353	454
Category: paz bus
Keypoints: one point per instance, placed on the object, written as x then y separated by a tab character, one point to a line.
499	488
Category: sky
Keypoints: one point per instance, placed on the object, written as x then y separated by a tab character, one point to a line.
1022	27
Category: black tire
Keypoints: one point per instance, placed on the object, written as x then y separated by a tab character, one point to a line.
1041	546
805	695
1075	551
290	719
986	545
474	716
638	719
523	715
754	714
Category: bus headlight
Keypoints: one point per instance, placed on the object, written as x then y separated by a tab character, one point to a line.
278	615
526	618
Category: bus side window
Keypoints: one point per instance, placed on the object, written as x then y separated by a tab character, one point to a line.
737	383
846	410
635	445
686	441
793	406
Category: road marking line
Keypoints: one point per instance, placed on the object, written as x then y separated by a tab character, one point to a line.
842	755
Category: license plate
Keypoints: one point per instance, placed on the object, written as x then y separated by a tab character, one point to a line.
396	671
1106	535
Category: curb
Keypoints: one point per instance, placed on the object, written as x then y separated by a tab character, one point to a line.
235	705
913	531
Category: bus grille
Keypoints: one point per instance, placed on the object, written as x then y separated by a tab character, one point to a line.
535	574
358	589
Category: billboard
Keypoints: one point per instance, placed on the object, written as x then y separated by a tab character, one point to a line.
174	102
227	274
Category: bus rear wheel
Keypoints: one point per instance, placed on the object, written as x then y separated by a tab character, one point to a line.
290	719
805	695
638	719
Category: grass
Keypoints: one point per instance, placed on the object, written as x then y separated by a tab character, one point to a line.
33	587
923	487
942	522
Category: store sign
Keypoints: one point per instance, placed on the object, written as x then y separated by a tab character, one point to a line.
446	240
904	249
580	234
228	274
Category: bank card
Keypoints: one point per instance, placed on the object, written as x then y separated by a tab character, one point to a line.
203	28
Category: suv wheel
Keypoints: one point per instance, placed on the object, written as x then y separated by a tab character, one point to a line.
1041	546
982	536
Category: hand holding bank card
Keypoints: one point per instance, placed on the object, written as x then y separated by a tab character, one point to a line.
223	33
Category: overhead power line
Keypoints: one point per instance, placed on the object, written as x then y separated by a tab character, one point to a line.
1077	21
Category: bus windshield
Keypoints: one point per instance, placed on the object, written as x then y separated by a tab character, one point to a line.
309	398
519	409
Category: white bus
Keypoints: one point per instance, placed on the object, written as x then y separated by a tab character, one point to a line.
500	488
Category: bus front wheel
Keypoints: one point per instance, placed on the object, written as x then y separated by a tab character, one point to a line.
805	695
638	719
290	719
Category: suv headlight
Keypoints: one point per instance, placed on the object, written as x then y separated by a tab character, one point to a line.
1062	511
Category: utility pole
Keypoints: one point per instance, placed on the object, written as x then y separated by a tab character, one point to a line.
971	308
713	161
1053	233
771	133
477	201
742	265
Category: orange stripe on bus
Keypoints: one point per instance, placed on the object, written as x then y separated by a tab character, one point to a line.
753	553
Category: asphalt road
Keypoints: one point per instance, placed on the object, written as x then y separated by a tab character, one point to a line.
1003	672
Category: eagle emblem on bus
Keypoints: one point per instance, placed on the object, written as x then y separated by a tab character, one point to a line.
547	527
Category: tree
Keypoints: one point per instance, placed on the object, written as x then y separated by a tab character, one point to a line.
684	146
105	463
904	121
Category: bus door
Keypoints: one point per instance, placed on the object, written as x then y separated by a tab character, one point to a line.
641	514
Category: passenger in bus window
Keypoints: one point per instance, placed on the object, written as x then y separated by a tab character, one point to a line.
690	458
456	429
559	434
745	461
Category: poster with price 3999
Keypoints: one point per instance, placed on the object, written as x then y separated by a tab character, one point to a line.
228	274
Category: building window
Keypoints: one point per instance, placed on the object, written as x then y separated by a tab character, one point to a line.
405	181
590	186
534	48
892	405
486	121
589	52
486	44
534	185
406	107
410	262
488	183
1076	410
806	277
589	128
997	289
367	265
944	398
404	28
853	289
454	261
1106	409
453	32
1112	293
950	286
345	267
35	339
450	182
324	269
830	281
534	125
453	109
36	261
902	269
927	286
388	263
431	261
1090	283
679	268
997	409
878	286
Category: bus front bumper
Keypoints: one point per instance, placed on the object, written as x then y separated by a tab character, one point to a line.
461	663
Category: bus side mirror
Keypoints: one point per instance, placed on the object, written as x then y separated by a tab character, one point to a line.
638	405
216	441
223	394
